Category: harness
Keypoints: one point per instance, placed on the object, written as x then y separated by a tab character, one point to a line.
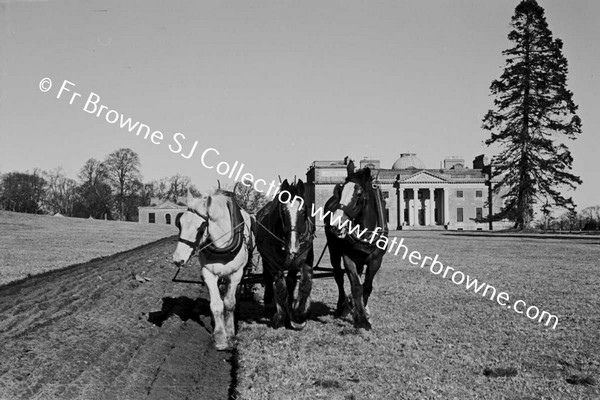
270	252
210	250
379	211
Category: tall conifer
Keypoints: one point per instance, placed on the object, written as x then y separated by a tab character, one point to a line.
533	114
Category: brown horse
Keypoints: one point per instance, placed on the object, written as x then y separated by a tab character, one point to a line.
222	232
357	220
285	241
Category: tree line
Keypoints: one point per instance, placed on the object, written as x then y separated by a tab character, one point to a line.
108	189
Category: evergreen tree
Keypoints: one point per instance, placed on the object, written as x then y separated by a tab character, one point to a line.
533	108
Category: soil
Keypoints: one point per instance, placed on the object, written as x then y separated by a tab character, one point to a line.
113	328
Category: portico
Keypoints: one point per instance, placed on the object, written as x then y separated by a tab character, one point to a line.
422	206
423	200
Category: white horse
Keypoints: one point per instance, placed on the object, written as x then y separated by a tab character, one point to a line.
222	232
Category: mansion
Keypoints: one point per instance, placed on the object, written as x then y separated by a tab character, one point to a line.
451	197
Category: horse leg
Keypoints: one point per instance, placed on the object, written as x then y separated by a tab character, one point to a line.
343	307
372	269
359	313
302	303
291	280
216	307
229	302
281	301
269	294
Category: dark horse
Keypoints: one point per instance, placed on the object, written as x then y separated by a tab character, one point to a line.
285	241
357	221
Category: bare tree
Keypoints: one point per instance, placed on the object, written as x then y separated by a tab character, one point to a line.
61	192
123	169
95	191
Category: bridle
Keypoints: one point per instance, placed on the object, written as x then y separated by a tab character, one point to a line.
302	235
201	229
209	249
351	212
305	238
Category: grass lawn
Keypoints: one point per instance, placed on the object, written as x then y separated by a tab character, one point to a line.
29	243
433	339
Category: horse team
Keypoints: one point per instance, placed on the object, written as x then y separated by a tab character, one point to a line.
224	237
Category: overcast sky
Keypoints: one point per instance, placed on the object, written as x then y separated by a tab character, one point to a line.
272	84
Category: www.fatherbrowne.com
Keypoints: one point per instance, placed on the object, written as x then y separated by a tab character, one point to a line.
436	267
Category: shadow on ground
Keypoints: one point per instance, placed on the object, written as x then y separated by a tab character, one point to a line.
183	307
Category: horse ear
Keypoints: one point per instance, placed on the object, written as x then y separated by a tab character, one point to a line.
350	168
300	187
285	186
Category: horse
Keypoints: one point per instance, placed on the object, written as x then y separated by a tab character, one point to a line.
222	234
284	239
356	208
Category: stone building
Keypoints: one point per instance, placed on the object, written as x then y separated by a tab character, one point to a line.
450	197
160	212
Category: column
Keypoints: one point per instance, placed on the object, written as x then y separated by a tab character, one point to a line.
431	207
416	209
446	218
409	205
401	207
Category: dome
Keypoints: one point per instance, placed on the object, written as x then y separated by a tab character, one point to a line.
408	161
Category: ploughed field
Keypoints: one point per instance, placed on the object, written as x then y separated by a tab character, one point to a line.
112	328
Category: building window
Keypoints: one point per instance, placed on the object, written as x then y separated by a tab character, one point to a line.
386	194
478	193
479	213
459	193
168	219
387	215
459	215
151	218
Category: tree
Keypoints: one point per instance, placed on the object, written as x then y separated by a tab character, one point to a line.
178	186
532	107
171	188
61	192
123	169
23	192
95	192
247	198
591	218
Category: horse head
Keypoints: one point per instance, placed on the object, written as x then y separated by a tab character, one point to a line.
294	217
351	197
191	225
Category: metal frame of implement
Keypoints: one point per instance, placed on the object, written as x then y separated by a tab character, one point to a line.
253	278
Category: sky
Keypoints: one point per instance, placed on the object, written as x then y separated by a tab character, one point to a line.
274	85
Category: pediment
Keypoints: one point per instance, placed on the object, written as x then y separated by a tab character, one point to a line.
424	177
167	205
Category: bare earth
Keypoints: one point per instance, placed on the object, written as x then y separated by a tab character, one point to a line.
94	331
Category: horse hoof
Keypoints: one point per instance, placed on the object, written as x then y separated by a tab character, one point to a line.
277	321
298	326
366	325
362	323
343	311
223	346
